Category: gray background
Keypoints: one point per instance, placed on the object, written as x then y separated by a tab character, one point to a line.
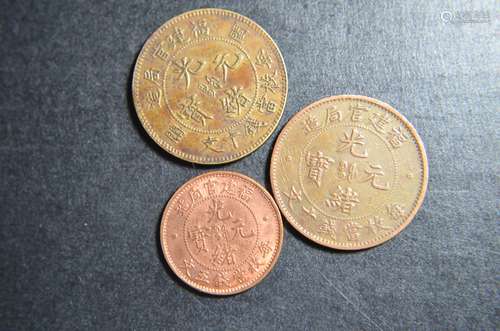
83	187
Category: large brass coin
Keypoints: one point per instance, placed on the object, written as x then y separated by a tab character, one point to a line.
210	86
221	233
349	172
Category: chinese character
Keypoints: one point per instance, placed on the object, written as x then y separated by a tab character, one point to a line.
181	208
347	171
175	134
239	276
229	188
396	211
379	121
210	142
160	52
195	195
222	63
352	231
177	37
200	28
210	185
263	59
268	82
310	123
397	137
239	224
309	212
234	101
202	277
345	200
233	134
189	265
357	111
328	228
212	83
190	110
374	172
333	115
349	142
254	264
185	69
317	164
294	195
215	210
224	254
252	126
206	90
246	193
219	232
152	98
264	248
153	76
265	106
198	236
221	280
375	224
237	33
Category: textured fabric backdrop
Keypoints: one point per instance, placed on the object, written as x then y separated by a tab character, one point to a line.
83	187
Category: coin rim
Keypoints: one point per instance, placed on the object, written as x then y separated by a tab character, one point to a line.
172	149
204	289
297	225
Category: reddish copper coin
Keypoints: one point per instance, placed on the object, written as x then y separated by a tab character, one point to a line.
221	233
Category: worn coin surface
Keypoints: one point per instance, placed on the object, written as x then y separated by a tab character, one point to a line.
210	86
349	172
221	233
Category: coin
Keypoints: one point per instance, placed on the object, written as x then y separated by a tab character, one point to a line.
221	233
349	172
210	86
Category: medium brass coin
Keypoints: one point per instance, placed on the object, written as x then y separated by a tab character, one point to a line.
210	86
221	233
349	172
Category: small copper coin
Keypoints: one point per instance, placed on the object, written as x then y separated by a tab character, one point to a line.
221	233
349	172
210	86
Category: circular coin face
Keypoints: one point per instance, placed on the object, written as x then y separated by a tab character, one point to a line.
221	233
349	172
210	86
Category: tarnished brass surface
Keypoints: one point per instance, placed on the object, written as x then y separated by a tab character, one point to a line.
349	172
210	86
